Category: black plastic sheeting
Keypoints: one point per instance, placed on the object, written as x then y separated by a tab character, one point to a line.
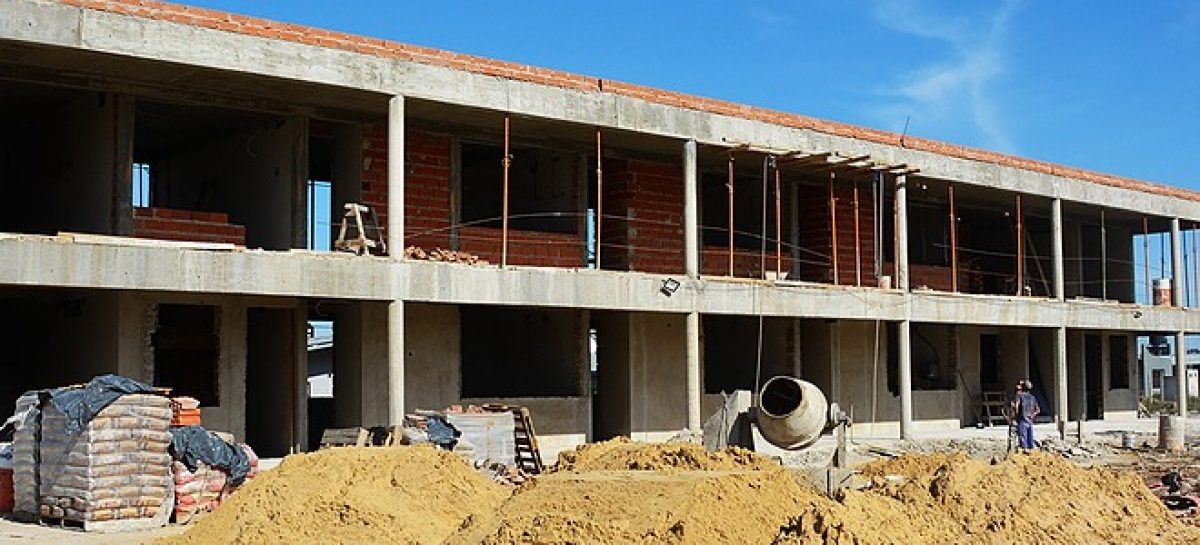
81	405
191	444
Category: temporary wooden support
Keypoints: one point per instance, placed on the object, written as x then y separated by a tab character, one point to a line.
953	239
729	185
1020	248
599	197
857	241
778	223
506	162
833	227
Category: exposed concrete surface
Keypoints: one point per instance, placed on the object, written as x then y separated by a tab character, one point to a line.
58	25
51	261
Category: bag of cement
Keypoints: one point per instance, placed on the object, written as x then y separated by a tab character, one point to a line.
490	435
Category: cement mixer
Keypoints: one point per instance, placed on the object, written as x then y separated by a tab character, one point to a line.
791	414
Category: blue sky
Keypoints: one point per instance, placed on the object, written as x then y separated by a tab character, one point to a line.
1106	85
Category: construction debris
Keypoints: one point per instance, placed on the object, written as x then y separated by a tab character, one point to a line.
445	256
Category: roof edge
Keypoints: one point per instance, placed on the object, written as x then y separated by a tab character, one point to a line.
266	28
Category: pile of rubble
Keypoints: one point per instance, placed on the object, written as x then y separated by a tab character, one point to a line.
442	255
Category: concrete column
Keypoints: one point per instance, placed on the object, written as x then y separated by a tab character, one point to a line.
1056	248
395	360
691	248
902	235
1060	379
395	177
904	357
1181	371
693	372
300	384
1177	273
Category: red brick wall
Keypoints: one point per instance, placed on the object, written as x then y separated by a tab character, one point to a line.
532	248
937	277
651	205
186	225
427	190
816	233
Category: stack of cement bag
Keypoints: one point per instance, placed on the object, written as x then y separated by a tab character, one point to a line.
96	456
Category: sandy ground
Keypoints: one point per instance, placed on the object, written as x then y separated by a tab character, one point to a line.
1100	448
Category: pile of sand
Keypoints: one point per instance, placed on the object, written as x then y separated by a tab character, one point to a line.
701	507
623	454
1039	498
352	495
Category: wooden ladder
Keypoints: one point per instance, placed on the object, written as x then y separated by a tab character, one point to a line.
995	407
528	456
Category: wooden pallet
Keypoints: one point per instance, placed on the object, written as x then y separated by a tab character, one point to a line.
345	437
528	455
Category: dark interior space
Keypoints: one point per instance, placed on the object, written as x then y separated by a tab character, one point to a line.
1118	361
520	352
731	351
53	338
747	211
1094	375
544	193
271	381
247	165
187	352
64	163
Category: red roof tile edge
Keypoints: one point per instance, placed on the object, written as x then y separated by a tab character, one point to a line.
255	26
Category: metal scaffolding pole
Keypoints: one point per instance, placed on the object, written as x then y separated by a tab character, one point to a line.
599	198
953	239
833	229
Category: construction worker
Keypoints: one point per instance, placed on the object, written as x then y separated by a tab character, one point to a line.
1024	409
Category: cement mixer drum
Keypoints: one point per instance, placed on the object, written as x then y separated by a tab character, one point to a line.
791	413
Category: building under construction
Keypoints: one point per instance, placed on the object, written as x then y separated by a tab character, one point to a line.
173	182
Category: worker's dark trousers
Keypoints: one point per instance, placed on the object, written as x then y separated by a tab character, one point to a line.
1025	434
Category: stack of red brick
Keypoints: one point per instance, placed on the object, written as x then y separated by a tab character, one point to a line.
203	490
186	225
185	411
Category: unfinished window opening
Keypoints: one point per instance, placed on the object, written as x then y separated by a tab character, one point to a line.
1118	361
321	365
187	352
989	362
141	185
67	151
319	190
511	352
934	351
543	188
220	175
731	351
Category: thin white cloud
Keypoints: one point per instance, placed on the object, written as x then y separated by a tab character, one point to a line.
955	90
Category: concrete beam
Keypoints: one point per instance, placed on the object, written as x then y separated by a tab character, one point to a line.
58	25
30	260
